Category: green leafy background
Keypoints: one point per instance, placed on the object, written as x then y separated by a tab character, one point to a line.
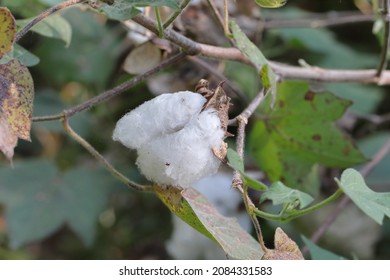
71	208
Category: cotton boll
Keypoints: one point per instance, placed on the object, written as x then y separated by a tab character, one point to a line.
186	242
164	114
183	157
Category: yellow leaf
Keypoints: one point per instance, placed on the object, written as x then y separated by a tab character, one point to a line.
285	248
7	31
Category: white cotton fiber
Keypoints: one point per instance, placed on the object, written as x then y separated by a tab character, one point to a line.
186	242
184	157
163	114
174	138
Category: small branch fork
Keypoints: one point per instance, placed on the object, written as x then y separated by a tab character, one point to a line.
241	121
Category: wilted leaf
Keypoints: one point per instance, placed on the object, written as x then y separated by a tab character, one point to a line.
24	56
271	3
142	58
375	205
280	194
42	199
300	132
54	26
16	97
252	52
194	209
7	31
8	139
285	248
237	164
318	253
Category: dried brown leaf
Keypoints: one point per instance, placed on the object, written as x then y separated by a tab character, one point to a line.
142	58
285	248
8	140
16	97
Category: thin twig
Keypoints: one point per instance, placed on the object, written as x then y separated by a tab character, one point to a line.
172	18
249	111
238	183
113	92
385	48
209	68
282	70
365	170
319	20
45	14
216	14
102	160
226	17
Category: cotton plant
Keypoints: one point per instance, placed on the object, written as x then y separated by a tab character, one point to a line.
179	137
187	243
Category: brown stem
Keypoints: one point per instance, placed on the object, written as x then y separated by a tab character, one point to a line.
45	14
112	92
282	70
238	182
319	20
102	160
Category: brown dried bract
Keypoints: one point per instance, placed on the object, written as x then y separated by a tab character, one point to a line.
215	99
220	101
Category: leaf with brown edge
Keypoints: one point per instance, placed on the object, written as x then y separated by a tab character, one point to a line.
7	31
16	98
193	208
8	140
285	248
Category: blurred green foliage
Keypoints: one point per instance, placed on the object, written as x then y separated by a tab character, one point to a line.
56	201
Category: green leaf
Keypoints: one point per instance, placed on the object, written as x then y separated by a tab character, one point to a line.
7	30
298	133
195	210
24	56
375	205
126	9
280	194
271	3
318	253
54	26
252	52
43	199
236	163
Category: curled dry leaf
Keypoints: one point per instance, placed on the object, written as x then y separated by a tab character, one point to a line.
7	31
285	248
16	96
142	59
